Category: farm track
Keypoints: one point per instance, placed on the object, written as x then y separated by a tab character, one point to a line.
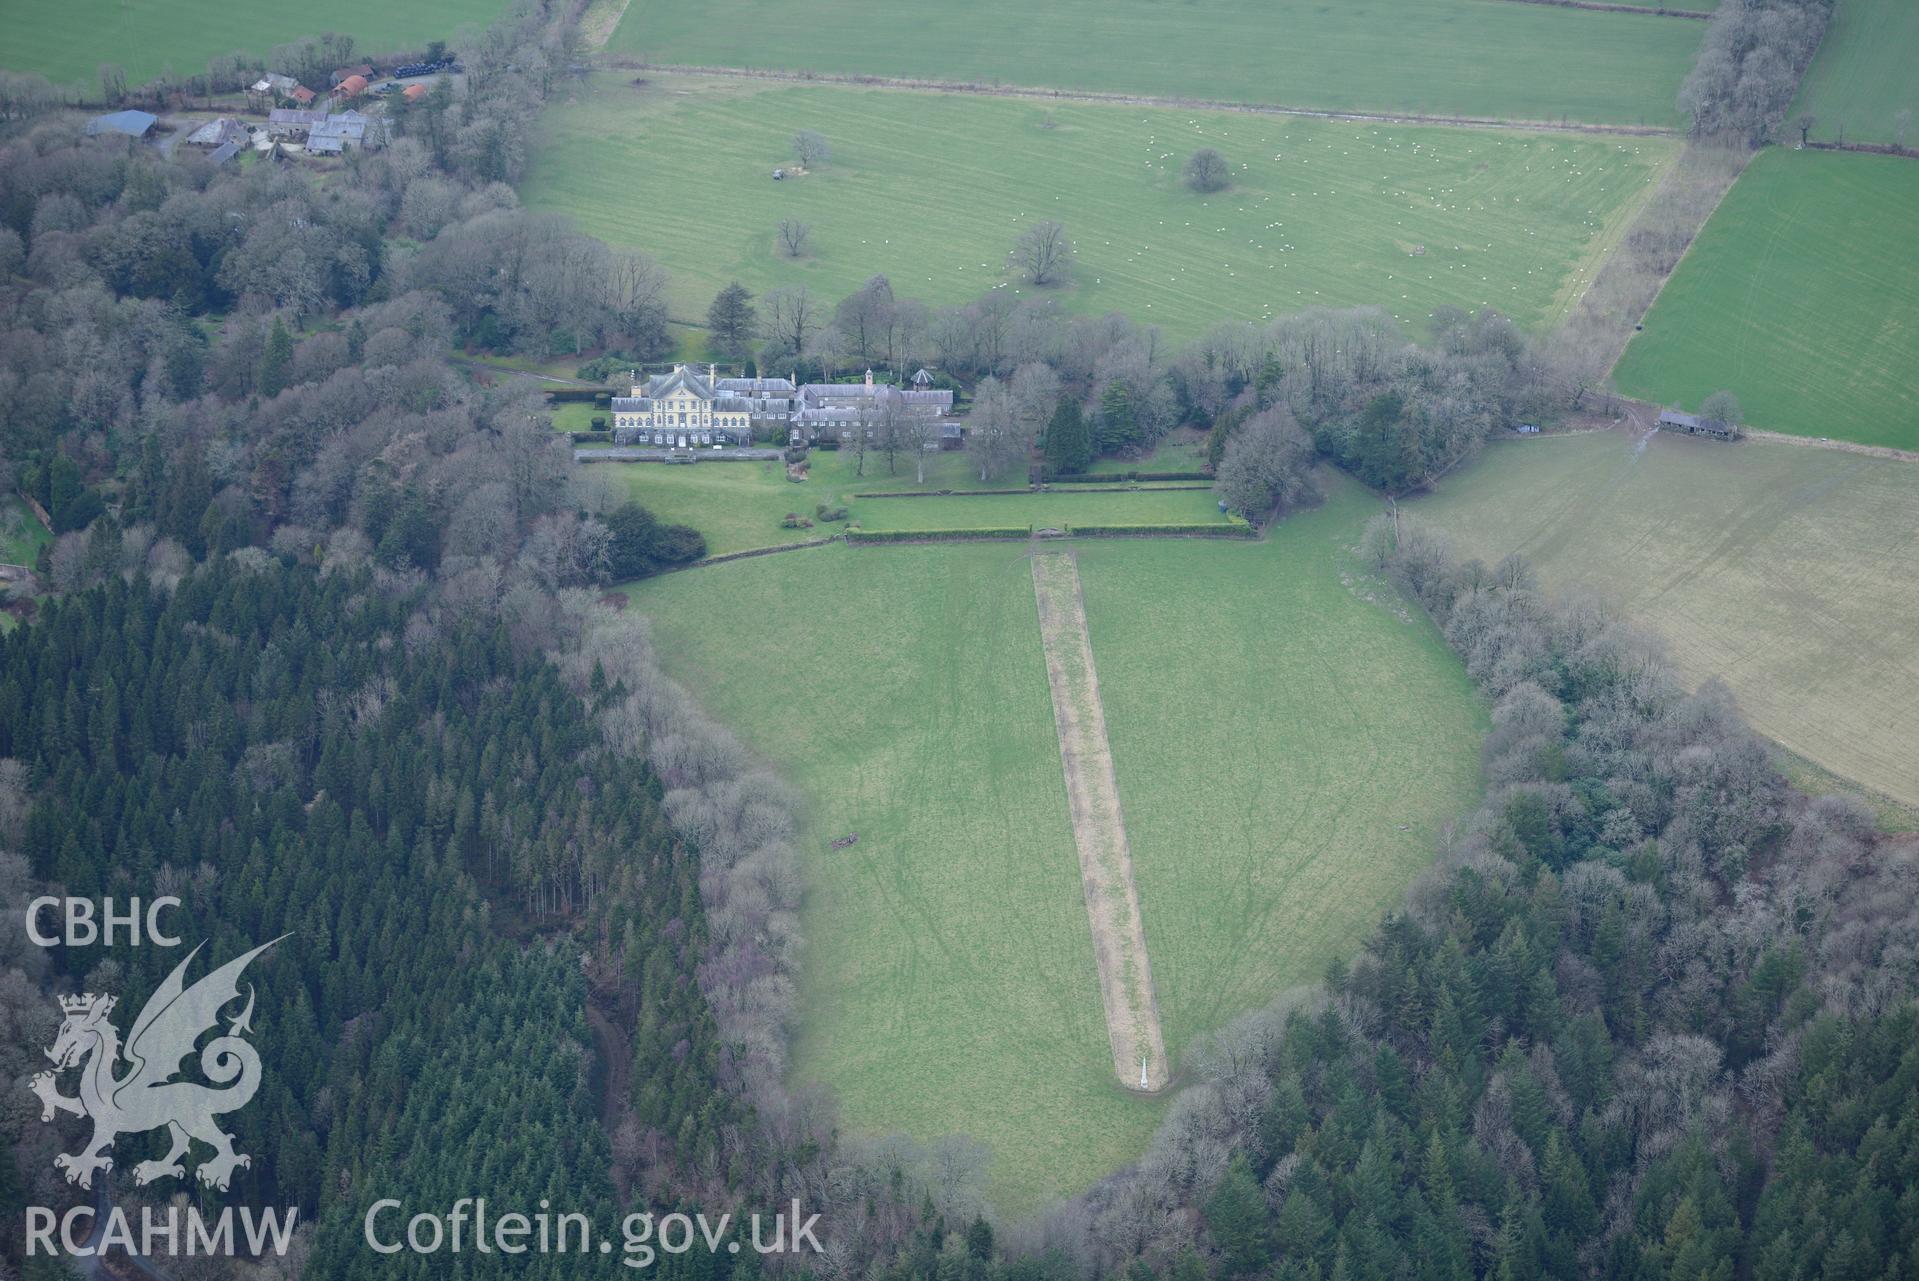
1650	10
1099	828
910	85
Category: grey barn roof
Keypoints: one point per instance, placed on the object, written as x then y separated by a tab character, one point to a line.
775	386
134	124
215	133
660	385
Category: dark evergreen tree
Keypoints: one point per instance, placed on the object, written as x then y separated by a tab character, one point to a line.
276	361
1069	444
732	322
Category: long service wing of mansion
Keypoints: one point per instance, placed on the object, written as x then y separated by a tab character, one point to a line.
683	410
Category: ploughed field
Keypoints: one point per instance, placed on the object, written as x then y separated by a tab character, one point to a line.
1481	58
1785	571
933	189
1286	737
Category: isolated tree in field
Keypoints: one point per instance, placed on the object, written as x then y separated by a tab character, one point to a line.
731	321
1067	440
793	236
1043	252
1722	406
810	148
1206	170
1804	123
1267	462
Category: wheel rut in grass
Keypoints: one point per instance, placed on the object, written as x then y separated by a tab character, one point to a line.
1099	827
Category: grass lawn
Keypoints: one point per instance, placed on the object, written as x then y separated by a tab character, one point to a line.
577	415
949	981
1487	58
740	505
1863	75
932	190
68	42
1801	295
1783	570
1286	752
1056	508
1181	452
21	536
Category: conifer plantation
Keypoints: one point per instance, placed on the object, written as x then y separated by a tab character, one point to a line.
408	816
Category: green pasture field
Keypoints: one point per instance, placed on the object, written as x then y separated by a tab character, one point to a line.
67	42
1863	76
1801	295
1783	570
21	536
1289	737
1482	58
949	982
933	189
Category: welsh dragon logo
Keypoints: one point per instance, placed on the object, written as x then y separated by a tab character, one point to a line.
146	1096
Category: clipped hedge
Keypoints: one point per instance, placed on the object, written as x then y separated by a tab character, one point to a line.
1109	477
577	395
1139	488
1028	491
592	437
936	535
1209	529
944	493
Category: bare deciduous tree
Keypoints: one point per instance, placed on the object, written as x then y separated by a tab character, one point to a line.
1043	252
810	148
1206	170
793	236
1722	406
791	317
1268	462
993	434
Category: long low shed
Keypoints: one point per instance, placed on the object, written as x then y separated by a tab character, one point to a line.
1694	425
